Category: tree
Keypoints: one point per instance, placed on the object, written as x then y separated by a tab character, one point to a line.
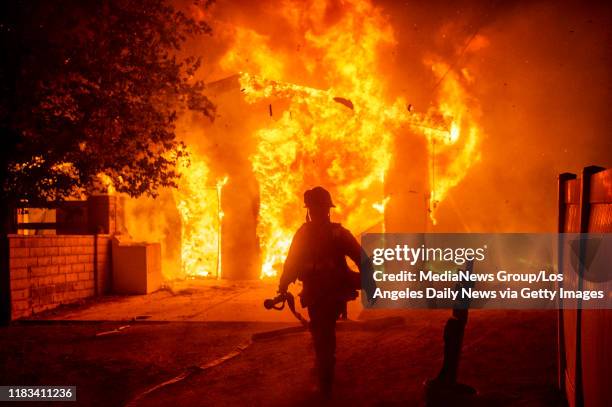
90	88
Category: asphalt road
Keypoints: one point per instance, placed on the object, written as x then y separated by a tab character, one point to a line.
509	356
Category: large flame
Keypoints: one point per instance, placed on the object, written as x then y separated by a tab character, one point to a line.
317	140
340	137
197	199
337	132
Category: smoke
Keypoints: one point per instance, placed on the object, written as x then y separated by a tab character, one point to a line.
541	74
157	220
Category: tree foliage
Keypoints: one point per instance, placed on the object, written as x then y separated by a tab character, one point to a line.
90	88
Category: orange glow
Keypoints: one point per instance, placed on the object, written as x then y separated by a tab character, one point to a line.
339	135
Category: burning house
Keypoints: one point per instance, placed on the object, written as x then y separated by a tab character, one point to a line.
275	135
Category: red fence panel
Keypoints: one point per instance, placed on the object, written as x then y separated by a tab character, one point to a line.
585	354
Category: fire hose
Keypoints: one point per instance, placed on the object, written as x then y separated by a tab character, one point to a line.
278	303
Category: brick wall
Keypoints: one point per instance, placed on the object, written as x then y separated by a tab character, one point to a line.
49	270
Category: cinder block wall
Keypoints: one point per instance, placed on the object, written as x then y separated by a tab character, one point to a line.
48	270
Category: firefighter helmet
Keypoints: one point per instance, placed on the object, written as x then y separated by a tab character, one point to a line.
318	196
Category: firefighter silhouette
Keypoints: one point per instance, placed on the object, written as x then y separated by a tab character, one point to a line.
317	257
